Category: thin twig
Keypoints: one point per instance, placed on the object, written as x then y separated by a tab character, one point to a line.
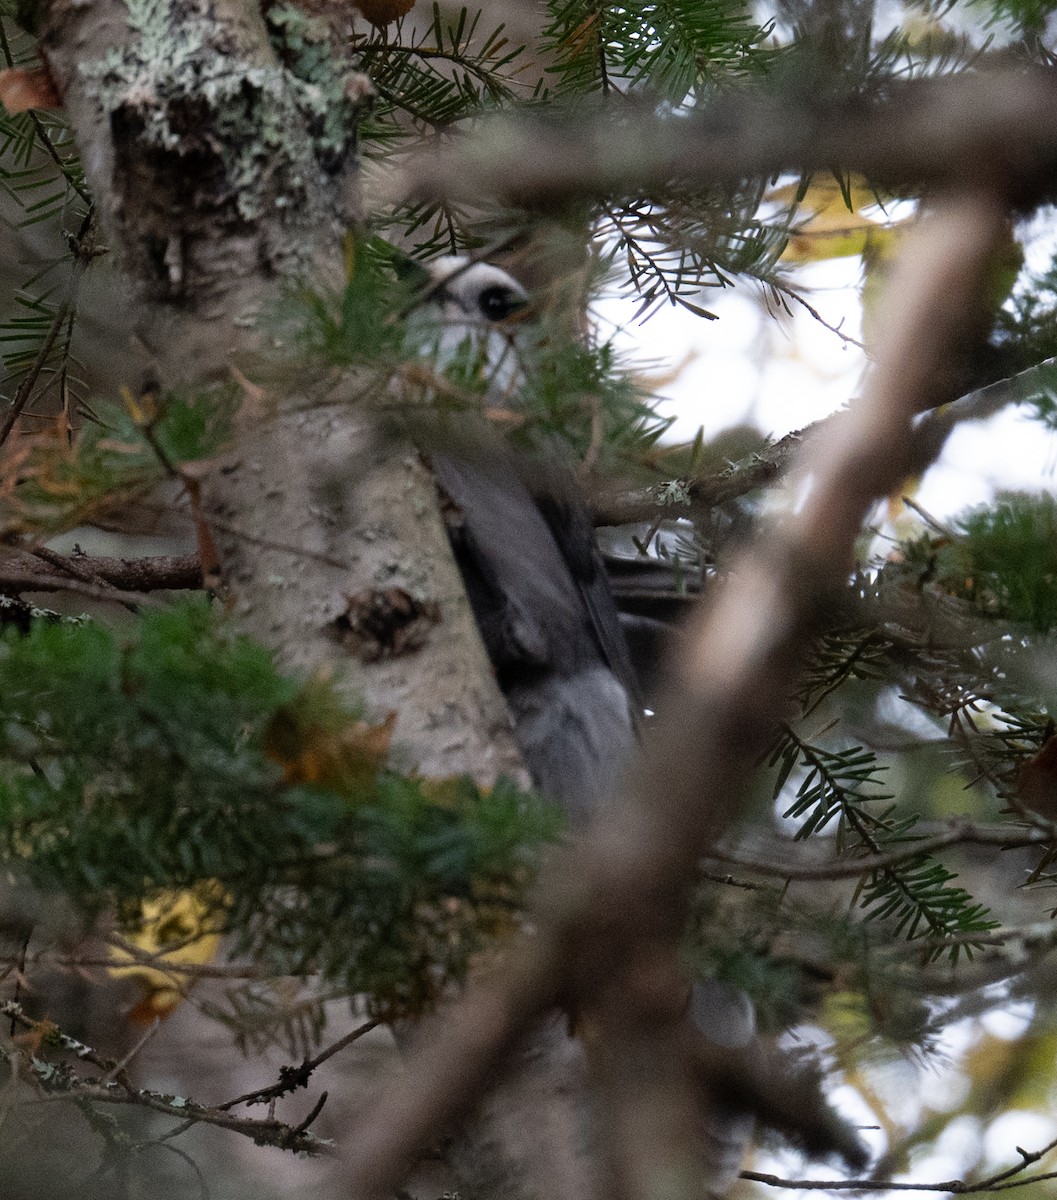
960	833
64	1083
118	1068
292	1078
143	1147
218	522
793	294
1001	1181
957	1187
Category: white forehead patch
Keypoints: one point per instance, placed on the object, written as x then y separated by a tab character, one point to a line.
463	286
454	317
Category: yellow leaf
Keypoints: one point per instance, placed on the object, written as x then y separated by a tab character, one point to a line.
824	192
172	928
828	220
1006	261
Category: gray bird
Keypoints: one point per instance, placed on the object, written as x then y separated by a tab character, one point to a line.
533	573
536	581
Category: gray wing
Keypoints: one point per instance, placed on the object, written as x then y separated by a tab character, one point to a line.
547	618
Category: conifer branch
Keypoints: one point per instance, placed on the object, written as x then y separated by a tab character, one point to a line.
29	380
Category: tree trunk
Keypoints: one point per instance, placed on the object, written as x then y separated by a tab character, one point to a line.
211	189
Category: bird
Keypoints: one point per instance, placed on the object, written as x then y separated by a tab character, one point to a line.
524	543
536	580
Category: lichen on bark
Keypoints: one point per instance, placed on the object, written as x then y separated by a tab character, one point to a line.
220	124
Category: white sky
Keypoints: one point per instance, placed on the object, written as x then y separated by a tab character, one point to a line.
782	373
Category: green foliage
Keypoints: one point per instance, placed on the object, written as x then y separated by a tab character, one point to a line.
842	787
454	70
673	47
172	776
578	396
39	167
805	963
457	70
1027	17
41	180
1025	336
1009	555
177	754
931	626
359	323
694	242
837	658
1001	559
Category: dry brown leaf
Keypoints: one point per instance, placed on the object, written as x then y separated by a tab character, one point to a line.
21	89
1037	779
344	758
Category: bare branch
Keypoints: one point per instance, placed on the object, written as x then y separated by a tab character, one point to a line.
766	467
1005	837
163	572
1001	1181
956	1187
292	1078
177	970
34	580
63	1083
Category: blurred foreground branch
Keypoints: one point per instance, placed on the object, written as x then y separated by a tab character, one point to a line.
609	914
766	467
980	130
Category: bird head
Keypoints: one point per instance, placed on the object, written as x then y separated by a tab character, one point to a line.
471	292
472	313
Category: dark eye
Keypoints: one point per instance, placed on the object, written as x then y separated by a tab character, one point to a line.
498	303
